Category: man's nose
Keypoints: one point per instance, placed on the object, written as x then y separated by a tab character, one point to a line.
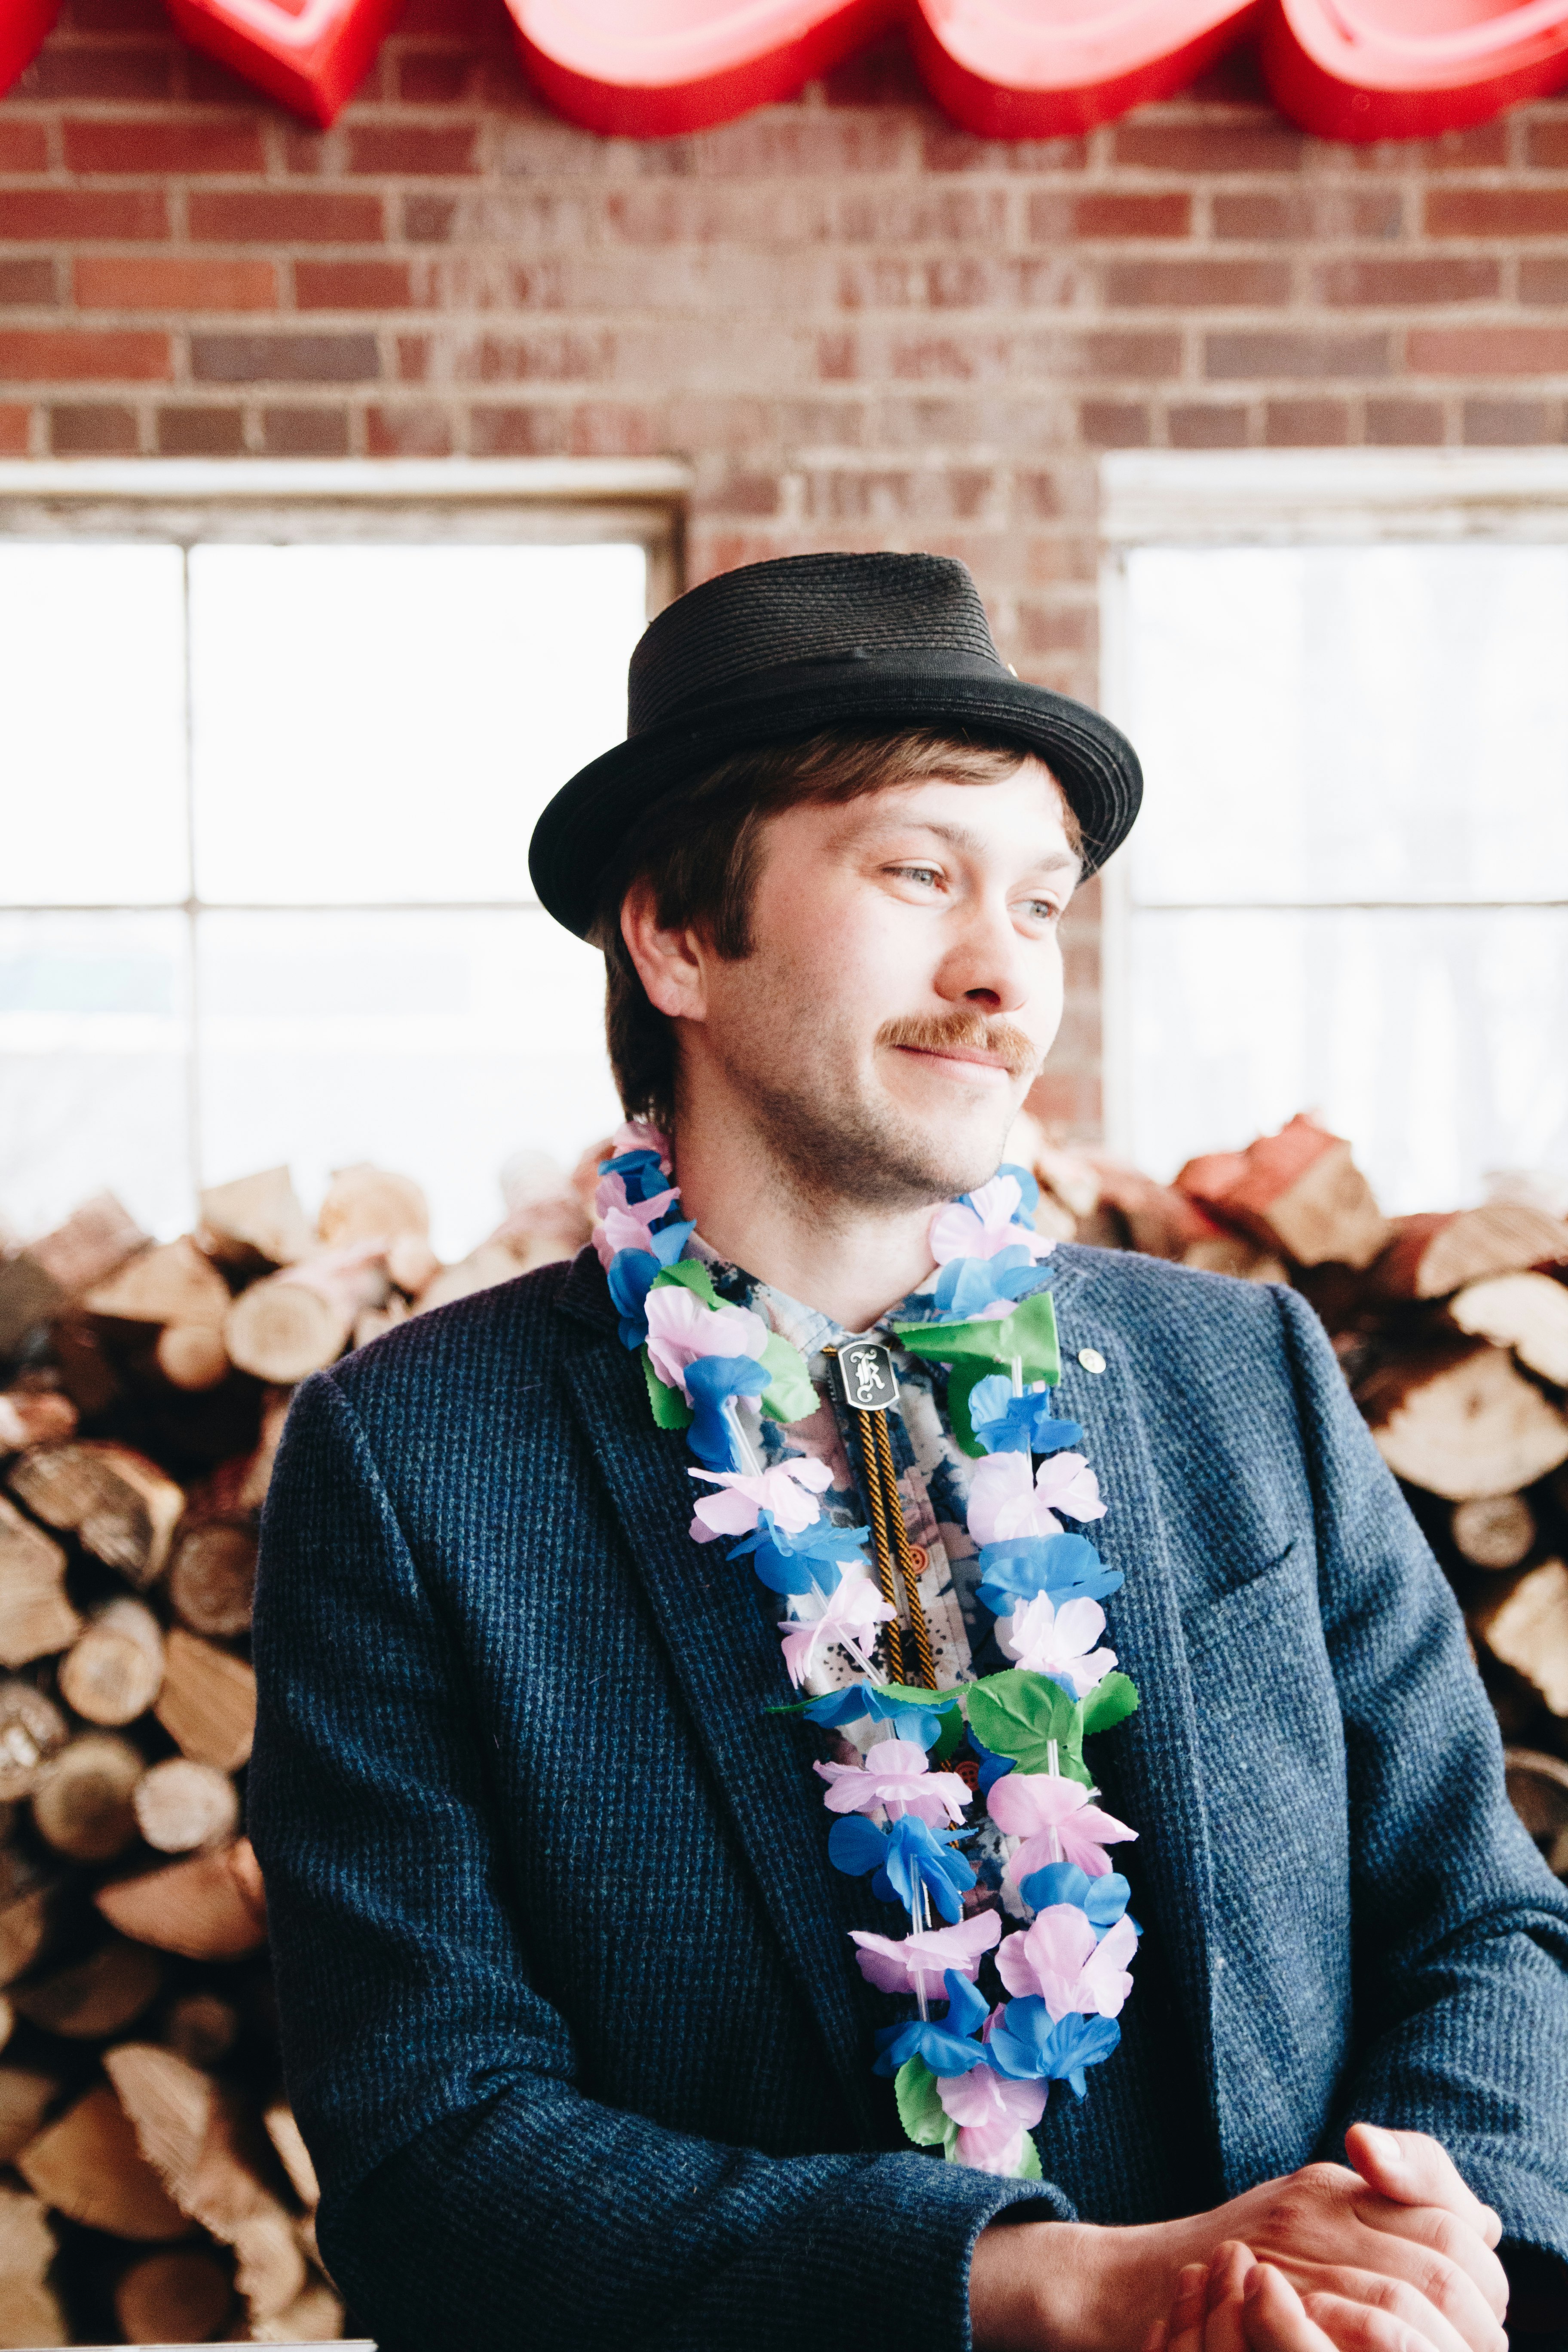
986	964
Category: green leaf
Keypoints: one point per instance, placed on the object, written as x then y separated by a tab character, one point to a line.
1029	2163
948	1738
1109	1703
693	1275
789	1395
1030	1333
1019	1714
920	2111
670	1410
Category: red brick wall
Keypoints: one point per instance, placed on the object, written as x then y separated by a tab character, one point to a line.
863	326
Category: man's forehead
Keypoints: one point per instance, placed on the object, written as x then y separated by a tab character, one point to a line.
966	810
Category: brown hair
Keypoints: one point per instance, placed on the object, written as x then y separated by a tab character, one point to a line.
700	850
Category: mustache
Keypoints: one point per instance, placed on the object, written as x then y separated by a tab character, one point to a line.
937	1032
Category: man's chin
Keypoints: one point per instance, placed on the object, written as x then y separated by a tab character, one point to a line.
955	1143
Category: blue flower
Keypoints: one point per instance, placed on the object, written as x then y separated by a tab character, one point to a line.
1102	1900
1066	1568
905	1857
967	1286
993	1768
813	1560
1009	1424
710	1383
631	1278
1030	2043
948	2048
642	1172
908	1720
1030	1191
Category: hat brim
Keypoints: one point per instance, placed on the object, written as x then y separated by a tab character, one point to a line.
575	839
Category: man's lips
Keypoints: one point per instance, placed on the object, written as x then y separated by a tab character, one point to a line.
975	1056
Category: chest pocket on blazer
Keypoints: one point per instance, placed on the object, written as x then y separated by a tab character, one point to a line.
1237	1616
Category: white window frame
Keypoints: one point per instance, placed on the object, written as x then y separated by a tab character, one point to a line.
1303	497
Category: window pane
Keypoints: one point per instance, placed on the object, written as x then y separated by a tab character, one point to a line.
92	669
1350	723
93	1067
385	723
1433	1039
435	1043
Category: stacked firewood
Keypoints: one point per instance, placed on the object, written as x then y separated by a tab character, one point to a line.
157	2188
1452	1329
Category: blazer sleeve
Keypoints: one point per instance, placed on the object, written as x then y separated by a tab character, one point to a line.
471	2193
1460	1957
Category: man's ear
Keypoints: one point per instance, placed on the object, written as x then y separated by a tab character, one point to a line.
669	964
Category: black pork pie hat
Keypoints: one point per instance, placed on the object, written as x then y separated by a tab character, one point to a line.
785	648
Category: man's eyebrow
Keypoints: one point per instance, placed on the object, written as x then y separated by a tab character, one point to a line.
959	837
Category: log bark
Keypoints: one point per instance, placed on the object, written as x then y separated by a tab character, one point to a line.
82	1803
1528	1630
209	2153
1299	1192
1234	1254
1526	1312
1463	1422
87	2166
301	1318
174	1283
1431	1256
207	1703
97	1997
36	1617
33	1905
1493	1531
181	1806
35	1417
36	1282
122	1506
1160	1222
26	2098
212	1577
29	2311
207	1908
371	1205
201	2028
1538	1791
412	1264
114	1671
317	2318
31	1728
180	2297
254	1223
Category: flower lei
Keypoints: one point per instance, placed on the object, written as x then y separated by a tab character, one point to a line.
976	2080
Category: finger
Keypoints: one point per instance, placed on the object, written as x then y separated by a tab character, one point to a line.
1158	2336
1273	2318
1412	2169
1186	2323
1352	2326
1445	2233
1397	2300
1229	2266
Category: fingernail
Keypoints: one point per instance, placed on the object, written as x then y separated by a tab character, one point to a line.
1384	2147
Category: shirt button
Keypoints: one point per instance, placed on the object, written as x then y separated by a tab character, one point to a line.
1092	1359
920	1559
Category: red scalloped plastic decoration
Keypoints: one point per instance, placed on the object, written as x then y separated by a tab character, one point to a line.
1351	70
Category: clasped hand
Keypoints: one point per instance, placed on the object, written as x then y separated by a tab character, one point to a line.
1395	2255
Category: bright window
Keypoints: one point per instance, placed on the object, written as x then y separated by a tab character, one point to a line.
1349	889
271	771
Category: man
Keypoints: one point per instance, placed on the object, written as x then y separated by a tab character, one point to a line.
574	2020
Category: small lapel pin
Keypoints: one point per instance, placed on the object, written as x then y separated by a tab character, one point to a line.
1092	1359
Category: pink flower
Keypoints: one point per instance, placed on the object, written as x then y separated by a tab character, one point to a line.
896	1774
1005	1502
850	1619
625	1223
680	1328
1060	1959
786	1490
1047	1640
639	1135
958	1230
918	1963
1057	1821
992	2113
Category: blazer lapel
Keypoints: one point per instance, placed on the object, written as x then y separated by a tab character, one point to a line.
714	1624
1154	1756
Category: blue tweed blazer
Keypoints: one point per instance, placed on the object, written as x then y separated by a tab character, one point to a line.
570	2019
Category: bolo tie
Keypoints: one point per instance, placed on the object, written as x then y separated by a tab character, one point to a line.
869	1388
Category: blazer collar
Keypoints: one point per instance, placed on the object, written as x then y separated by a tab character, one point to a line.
714	1624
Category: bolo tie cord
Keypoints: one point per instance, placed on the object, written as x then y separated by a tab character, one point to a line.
891	1539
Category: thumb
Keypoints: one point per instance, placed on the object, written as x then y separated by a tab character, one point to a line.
1412	2169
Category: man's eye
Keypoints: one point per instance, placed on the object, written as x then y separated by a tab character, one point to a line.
1044	910
930	874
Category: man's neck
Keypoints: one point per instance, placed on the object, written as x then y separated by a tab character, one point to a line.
847	1261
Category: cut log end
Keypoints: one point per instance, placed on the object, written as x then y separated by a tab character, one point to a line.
82	1803
183	2296
180	1806
1496	1531
115	1670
